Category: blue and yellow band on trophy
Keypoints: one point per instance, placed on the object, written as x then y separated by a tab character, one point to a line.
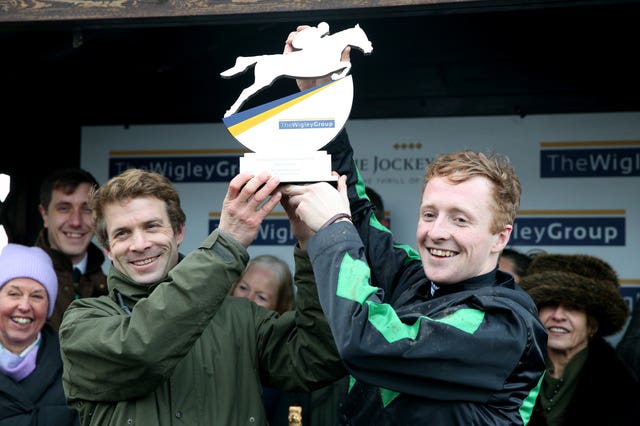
304	121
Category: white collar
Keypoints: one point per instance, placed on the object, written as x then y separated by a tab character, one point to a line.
82	265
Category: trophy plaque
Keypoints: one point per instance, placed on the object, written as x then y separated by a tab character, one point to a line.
285	135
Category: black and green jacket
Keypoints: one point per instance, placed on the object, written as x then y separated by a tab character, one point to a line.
471	354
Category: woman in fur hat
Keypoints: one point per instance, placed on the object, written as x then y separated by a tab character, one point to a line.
30	365
579	303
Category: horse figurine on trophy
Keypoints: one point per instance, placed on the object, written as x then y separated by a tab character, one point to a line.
319	55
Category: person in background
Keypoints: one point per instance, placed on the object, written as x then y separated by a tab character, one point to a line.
266	281
514	262
66	237
168	345
376	200
579	302
30	384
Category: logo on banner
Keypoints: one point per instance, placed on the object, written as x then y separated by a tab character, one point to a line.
569	228
181	166
590	159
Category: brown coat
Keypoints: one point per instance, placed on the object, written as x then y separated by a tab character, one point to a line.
93	282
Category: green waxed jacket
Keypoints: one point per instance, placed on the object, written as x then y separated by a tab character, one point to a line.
188	354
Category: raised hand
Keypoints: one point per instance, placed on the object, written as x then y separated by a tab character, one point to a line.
308	83
300	229
248	201
316	203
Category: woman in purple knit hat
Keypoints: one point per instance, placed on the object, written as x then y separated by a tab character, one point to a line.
31	380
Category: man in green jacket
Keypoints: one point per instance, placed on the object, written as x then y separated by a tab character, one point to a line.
167	346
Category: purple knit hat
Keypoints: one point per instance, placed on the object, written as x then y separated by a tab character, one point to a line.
18	261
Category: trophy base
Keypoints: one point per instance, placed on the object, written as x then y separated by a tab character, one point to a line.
298	167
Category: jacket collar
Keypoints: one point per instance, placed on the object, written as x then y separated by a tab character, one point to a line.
485	280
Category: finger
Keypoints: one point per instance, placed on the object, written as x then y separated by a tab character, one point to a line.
288	44
342	188
270	204
342	183
291	189
286	201
269	189
346	54
237	183
251	187
294	201
299	214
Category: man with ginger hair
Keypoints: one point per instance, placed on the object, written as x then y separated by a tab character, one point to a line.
435	336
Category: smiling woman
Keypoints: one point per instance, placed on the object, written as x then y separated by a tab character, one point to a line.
29	349
579	304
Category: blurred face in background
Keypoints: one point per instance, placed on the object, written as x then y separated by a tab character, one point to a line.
68	222
24	304
505	264
260	285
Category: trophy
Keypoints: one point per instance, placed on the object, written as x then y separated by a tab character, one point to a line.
285	135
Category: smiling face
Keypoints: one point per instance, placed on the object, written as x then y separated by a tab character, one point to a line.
68	221
142	243
568	327
453	234
23	311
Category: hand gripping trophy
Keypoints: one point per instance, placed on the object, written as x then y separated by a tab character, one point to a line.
286	134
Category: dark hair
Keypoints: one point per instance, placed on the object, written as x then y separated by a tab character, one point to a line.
520	260
65	180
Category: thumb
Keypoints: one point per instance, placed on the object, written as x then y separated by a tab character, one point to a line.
342	188
346	54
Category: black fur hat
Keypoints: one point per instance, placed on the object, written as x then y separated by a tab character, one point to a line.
581	264
580	280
